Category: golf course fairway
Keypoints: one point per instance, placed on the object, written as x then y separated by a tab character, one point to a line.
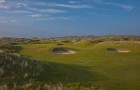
93	63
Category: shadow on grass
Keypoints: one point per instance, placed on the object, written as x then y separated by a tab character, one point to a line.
68	73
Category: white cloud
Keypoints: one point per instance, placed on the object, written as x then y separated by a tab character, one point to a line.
69	6
51	10
42	10
9	5
8	20
64	5
2	1
73	2
19	5
3	5
22	12
123	6
38	15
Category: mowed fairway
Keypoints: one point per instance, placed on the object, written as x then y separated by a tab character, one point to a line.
94	63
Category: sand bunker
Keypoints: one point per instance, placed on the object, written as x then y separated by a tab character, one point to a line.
118	50
1	51
63	51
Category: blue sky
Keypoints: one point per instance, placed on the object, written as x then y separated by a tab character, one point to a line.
56	18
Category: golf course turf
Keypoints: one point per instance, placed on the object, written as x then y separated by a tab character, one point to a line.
93	63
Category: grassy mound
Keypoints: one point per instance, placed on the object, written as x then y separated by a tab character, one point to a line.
17	70
21	73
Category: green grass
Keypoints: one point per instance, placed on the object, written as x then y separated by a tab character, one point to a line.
93	63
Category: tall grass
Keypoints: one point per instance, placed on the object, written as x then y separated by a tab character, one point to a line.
21	73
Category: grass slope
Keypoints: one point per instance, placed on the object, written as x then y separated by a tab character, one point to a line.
93	63
22	73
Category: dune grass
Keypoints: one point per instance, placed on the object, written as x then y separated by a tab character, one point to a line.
94	63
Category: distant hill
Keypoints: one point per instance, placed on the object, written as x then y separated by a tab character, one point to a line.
69	39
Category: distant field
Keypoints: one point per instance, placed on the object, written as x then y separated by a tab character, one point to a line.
94	63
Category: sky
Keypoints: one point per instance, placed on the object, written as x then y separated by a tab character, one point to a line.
58	18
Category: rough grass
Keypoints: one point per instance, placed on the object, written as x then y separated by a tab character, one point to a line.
22	73
93	63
